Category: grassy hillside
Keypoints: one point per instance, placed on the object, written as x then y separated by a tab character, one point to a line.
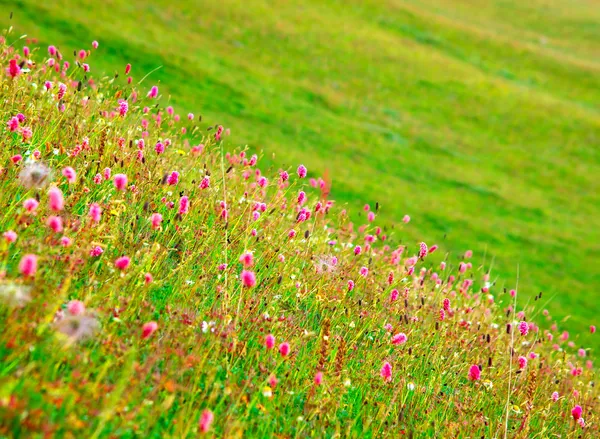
159	281
481	122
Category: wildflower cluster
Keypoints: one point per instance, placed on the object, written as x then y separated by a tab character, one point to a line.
154	283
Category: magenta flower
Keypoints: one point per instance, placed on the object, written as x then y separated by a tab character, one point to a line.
122	263
270	341
319	378
95	212
523	328
55	223
302	171
184	205
399	338
56	201
576	412
474	373
156	220
248	278
386	372
120	181
153	91
206	419
28	265
284	349
173	179
148	329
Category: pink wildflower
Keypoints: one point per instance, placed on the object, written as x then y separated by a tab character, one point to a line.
173	179
13	68
148	329
247	259
75	307
156	220
153	92
576	412
65	241
522	362
523	328
69	174
270	341
474	373
95	212
386	372
10	236
120	181
399	338
422	250
406	219
184	205
28	265
206	419
248	278
55	199
554	396
13	124
284	349
122	263
123	107
55	223
96	251
319	378
302	171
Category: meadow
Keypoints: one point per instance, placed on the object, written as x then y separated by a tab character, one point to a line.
343	220
481	123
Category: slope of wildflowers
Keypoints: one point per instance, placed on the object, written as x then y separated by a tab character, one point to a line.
157	282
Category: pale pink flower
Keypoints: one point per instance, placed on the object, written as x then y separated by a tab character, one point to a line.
206	419
95	212
156	220
55	199
28	265
319	378
10	236
75	307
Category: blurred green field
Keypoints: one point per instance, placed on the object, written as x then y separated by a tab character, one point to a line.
481	120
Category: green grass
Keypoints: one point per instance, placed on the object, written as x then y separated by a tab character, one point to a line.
380	344
481	122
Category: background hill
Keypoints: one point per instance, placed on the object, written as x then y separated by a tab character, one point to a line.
481	122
